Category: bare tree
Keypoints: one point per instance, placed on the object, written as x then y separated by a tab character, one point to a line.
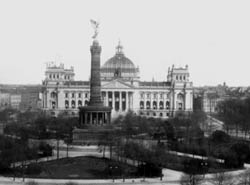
191	179
222	178
244	178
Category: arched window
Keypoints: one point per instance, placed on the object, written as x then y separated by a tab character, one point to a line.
161	114
154	105
180	97
53	104
66	104
180	101
79	103
73	104
141	105
154	114
53	95
86	102
167	105
148	104
161	104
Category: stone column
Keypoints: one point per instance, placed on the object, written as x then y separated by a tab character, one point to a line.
103	117
126	99
86	118
90	114
120	101
107	100
151	100
97	118
45	99
132	100
48	98
113	100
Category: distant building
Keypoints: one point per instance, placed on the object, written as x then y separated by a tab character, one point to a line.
4	100
211	96
15	100
121	88
31	101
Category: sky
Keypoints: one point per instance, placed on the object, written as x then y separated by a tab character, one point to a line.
212	37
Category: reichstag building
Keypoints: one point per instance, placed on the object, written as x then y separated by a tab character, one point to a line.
121	89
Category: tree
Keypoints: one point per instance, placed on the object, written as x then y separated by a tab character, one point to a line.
244	177
242	152
219	137
191	179
222	178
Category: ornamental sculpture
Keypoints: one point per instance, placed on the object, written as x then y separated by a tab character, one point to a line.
95	25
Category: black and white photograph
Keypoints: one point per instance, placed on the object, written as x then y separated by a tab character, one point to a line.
124	92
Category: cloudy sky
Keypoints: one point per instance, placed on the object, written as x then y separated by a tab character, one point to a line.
212	37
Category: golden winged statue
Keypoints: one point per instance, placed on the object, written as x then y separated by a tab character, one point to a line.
95	25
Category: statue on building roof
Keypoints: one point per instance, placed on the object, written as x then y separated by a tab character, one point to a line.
95	25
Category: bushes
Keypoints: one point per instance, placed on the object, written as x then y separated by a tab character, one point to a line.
31	183
219	137
33	169
45	149
149	170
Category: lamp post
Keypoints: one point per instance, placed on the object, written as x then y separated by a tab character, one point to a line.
67	140
144	171
204	165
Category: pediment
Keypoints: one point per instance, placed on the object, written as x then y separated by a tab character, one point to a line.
116	84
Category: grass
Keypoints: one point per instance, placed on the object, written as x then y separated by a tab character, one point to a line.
84	168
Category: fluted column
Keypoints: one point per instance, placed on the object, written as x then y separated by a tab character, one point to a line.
126	105
97	118
120	101
86	118
113	100
48	98
107	98
90	114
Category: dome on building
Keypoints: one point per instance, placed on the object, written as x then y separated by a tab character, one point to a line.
119	66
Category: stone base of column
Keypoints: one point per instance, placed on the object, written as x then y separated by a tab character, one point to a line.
94	115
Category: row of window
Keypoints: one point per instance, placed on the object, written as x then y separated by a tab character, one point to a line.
181	77
73	103
154	114
155	95
154	105
56	76
73	95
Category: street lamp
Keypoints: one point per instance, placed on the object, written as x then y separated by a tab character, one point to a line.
204	165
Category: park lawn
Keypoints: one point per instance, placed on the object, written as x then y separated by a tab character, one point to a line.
84	168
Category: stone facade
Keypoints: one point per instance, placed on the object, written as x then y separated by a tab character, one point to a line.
121	89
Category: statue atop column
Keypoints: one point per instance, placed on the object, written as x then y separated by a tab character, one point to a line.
95	25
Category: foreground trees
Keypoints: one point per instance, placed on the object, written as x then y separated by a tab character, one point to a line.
235	113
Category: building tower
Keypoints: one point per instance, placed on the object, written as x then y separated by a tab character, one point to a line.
95	113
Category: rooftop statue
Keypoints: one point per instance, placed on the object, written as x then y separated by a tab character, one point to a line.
95	25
